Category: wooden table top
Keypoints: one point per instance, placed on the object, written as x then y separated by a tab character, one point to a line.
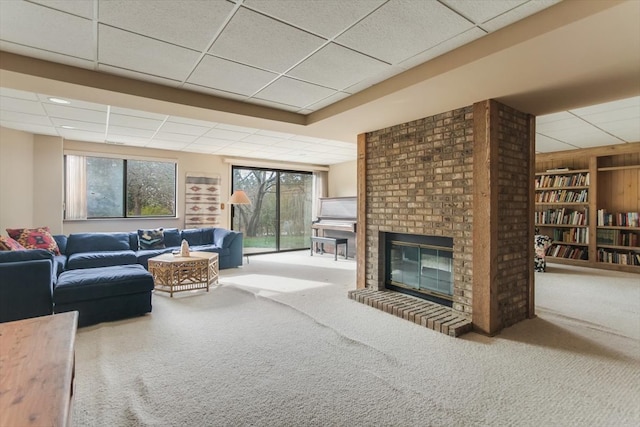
169	257
36	370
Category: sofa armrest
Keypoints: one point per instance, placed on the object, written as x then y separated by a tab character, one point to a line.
26	289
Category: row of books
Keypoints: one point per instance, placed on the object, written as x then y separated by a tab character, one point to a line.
617	237
562	196
562	216
623	258
570	252
571	235
555	181
620	219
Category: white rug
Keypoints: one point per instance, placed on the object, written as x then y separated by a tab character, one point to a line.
278	343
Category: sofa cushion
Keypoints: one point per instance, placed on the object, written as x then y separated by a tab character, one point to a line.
61	240
223	237
25	255
210	248
198	236
103	282
9	244
172	237
144	255
151	238
100	259
97	242
35	238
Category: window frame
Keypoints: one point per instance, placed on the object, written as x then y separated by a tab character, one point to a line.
124	161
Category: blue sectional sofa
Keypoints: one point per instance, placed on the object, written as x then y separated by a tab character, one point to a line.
101	275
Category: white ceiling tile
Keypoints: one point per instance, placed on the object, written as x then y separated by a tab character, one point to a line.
612	115
20	94
192	122
138	76
184	128
134	122
133	52
166	145
175	137
218	133
213	142
72	113
83	8
608	106
128	139
189	23
482	11
547	118
570	122
326	18
377	78
25	118
46	55
28	127
337	96
294	92
520	12
78	125
137	113
235	128
196	148
259	41
627	130
20	105
80	135
44	28
280	135
222	74
73	103
215	92
262	139
593	140
444	47
337	67
403	28
131	131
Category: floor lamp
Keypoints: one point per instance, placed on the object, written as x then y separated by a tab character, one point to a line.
238	197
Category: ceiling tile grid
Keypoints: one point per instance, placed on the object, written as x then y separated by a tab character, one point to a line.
298	56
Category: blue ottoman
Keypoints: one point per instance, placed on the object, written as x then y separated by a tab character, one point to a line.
104	293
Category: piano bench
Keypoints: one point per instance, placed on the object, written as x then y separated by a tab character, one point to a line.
333	241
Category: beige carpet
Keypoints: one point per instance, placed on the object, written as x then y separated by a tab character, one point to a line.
278	343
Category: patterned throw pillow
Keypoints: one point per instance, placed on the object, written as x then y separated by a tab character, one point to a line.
9	244
35	238
151	239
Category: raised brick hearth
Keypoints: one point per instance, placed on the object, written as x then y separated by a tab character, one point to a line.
428	314
465	174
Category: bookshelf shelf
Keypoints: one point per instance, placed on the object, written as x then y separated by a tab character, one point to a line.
607	180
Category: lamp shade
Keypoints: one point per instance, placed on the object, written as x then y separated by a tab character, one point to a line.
239	197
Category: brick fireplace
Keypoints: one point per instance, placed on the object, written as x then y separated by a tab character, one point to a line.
465	175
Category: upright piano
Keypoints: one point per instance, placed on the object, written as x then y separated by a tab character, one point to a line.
337	217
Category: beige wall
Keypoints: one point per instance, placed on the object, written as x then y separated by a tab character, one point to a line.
48	182
343	179
16	179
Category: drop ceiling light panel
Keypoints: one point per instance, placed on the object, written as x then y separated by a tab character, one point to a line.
78	125
45	99
254	39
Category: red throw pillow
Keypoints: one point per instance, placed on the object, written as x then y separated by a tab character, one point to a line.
9	244
35	238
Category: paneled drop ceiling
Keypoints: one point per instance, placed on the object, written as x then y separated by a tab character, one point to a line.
294	56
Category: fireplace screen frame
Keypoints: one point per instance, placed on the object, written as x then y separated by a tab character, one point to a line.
420	249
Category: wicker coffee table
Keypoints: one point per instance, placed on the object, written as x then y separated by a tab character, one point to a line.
174	273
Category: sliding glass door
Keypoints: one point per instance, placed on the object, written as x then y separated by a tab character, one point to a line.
279	216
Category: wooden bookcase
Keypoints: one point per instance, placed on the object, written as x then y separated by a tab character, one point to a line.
575	190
